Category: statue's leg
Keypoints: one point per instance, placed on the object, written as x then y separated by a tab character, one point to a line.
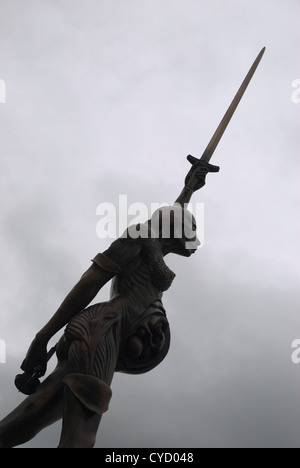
38	411
92	358
86	398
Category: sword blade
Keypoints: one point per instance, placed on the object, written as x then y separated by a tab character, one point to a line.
210	149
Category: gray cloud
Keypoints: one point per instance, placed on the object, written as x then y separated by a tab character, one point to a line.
107	98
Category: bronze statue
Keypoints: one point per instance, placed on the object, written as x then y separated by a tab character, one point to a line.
129	333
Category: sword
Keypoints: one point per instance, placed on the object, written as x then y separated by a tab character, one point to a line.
203	162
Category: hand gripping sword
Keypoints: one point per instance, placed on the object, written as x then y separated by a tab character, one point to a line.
28	384
203	162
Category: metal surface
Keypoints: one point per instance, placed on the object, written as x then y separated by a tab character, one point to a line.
210	149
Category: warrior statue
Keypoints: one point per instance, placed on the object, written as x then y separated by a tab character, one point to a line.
129	333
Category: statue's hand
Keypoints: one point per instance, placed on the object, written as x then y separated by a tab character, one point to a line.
195	178
36	358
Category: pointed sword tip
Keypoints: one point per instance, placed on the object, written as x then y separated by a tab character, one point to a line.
263	50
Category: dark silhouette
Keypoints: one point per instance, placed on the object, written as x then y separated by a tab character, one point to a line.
129	333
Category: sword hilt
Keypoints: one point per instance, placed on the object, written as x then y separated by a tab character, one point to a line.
195	179
201	163
28	384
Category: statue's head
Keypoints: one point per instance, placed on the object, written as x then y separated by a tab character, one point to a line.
175	227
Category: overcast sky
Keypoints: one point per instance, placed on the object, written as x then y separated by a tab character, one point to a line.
107	97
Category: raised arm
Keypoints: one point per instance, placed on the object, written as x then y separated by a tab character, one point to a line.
194	180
